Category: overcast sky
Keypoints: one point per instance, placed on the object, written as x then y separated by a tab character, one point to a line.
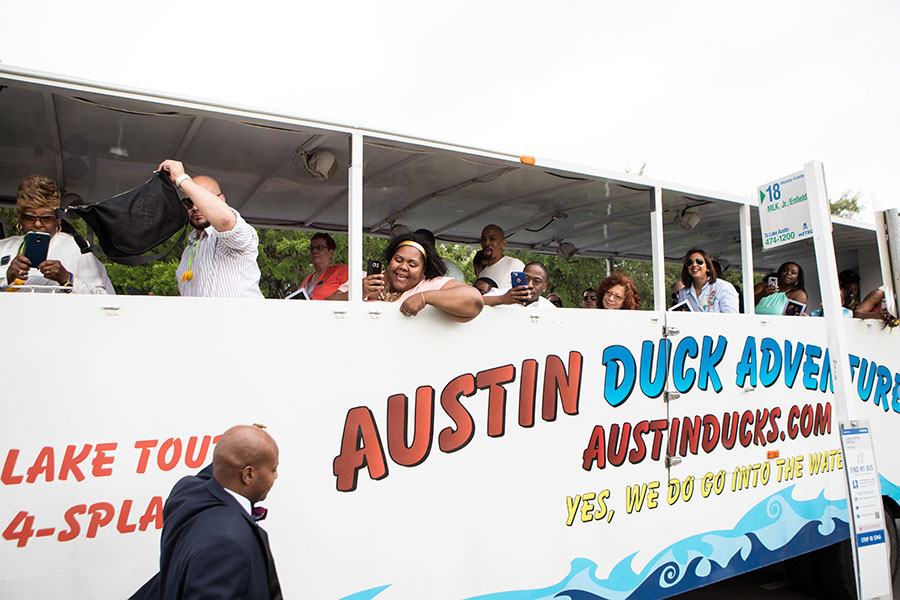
720	95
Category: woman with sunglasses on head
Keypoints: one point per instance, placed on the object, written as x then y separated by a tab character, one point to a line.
65	268
413	278
703	290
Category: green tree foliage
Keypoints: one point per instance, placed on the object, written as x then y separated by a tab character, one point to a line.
847	205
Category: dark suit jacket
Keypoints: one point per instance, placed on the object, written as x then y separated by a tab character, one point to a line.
210	547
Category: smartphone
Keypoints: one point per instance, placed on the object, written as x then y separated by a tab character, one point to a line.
36	244
518	278
373	267
773	282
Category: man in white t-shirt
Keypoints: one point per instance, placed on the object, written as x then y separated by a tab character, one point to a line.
498	266
531	294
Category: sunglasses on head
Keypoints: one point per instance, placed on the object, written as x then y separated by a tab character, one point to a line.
689	262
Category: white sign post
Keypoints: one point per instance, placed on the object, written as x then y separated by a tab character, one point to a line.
867	531
784	211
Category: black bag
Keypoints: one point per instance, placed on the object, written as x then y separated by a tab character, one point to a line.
134	222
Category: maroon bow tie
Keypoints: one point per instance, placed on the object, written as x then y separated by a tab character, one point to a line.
259	513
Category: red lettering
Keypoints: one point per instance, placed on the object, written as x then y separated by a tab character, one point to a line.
640	450
122	523
774	415
21	536
793	414
360	447
690	434
493	380
72	522
746	436
42	464
196	461
657	426
710	438
144	446
173	444
70	462
823	419
101	459
527	392
401	451
451	440
617	455
729	434
556	381
759	439
101	516
9	466
595	451
153	514
673	436
806	420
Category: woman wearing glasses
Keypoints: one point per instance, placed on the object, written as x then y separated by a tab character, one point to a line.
618	292
327	281
703	290
65	268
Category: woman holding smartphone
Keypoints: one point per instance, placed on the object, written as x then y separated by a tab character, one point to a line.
64	266
703	290
413	277
772	294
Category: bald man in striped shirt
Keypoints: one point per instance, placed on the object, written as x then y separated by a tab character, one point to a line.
220	258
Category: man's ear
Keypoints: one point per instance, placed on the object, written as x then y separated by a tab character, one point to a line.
503	243
247	475
222	197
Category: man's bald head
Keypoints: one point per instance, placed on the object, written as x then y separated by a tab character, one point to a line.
209	184
246	461
197	219
492	243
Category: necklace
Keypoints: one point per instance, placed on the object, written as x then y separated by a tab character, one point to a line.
386	295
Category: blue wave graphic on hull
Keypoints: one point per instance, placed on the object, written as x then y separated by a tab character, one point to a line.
777	528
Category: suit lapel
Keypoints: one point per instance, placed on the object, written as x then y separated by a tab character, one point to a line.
262	537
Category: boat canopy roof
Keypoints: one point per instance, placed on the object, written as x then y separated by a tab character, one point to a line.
98	141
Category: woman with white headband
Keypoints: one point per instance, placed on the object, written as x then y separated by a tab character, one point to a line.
414	278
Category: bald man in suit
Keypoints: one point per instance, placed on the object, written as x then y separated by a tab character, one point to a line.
211	545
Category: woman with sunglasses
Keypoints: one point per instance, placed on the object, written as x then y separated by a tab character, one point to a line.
65	267
703	290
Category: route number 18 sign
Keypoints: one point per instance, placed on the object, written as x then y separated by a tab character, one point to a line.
784	211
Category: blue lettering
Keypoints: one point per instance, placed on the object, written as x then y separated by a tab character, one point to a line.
895	399
862	387
708	361
684	378
825	380
769	362
810	368
792	363
616	393
654	388
854	363
884	386
747	366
